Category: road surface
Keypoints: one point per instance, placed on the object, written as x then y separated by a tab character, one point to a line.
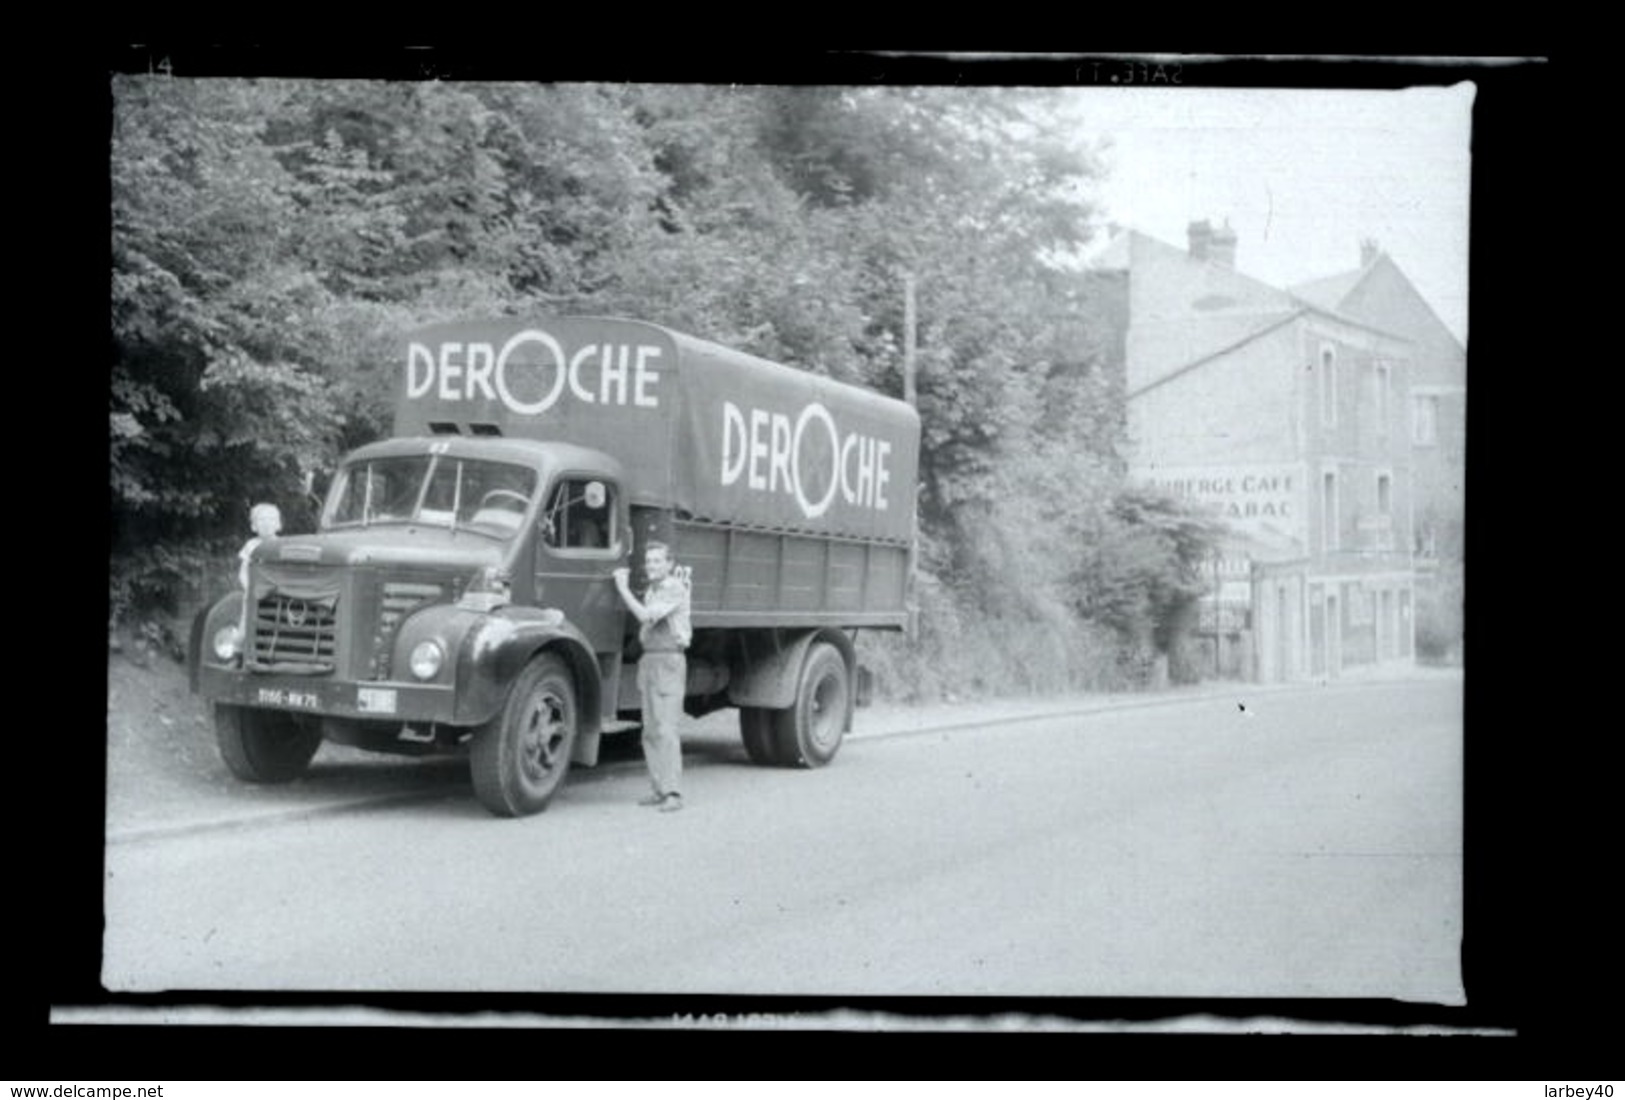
1303	843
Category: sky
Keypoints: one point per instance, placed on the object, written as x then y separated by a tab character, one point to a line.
1302	176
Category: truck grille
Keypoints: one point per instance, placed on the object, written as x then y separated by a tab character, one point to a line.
401	598
289	630
397	600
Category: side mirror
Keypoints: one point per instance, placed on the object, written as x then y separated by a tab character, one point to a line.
595	495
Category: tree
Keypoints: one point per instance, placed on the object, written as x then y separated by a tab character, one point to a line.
273	239
220	315
1140	571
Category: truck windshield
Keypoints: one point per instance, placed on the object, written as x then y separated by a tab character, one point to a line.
489	497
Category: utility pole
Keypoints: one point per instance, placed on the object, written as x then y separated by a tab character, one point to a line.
909	393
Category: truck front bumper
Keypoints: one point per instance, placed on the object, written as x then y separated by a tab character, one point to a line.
383	700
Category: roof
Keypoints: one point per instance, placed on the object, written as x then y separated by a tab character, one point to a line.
491	448
1132	247
1214	307
1346	293
1330	291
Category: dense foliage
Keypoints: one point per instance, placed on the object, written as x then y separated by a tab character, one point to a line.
271	240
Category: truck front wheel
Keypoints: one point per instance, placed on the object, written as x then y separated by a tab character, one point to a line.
519	758
265	746
808	734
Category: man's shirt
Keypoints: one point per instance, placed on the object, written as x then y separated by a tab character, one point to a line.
669	630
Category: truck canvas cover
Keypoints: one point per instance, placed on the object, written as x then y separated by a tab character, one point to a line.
713	433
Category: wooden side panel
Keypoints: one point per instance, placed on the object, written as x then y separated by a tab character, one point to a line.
745	577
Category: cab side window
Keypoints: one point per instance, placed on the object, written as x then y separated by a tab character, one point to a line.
580	515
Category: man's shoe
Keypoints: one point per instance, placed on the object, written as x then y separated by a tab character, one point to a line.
652	800
670	803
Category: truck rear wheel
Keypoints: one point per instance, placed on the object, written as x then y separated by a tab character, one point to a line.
265	746
808	734
756	730
519	759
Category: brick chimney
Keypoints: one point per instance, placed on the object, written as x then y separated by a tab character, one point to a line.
1209	243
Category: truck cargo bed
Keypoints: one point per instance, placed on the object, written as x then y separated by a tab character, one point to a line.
761	578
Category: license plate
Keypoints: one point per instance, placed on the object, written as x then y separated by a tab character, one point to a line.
376	700
283	697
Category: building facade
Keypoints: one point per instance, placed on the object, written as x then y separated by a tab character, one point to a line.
1379	293
1291	421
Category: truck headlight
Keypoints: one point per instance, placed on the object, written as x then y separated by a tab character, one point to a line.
228	642
427	657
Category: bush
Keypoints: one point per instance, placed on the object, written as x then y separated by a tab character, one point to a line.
961	653
153	593
149	581
1138	573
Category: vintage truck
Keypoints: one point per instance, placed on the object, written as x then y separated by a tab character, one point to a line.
458	593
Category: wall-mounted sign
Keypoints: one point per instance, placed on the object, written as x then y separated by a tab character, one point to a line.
1264	501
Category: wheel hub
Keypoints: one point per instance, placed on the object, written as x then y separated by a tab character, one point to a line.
826	706
544	735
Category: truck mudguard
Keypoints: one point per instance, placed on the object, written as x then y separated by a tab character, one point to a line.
770	671
209	620
495	650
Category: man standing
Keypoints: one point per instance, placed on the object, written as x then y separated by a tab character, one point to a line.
663	671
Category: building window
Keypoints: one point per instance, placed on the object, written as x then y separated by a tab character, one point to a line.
1328	504
580	516
1424	420
1381	381
1385	492
1328	384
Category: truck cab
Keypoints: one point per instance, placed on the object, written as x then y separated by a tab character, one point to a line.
439	563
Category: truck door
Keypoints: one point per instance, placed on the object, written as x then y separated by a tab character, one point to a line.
583	537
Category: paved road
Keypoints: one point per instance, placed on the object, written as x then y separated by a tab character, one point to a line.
1307	845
